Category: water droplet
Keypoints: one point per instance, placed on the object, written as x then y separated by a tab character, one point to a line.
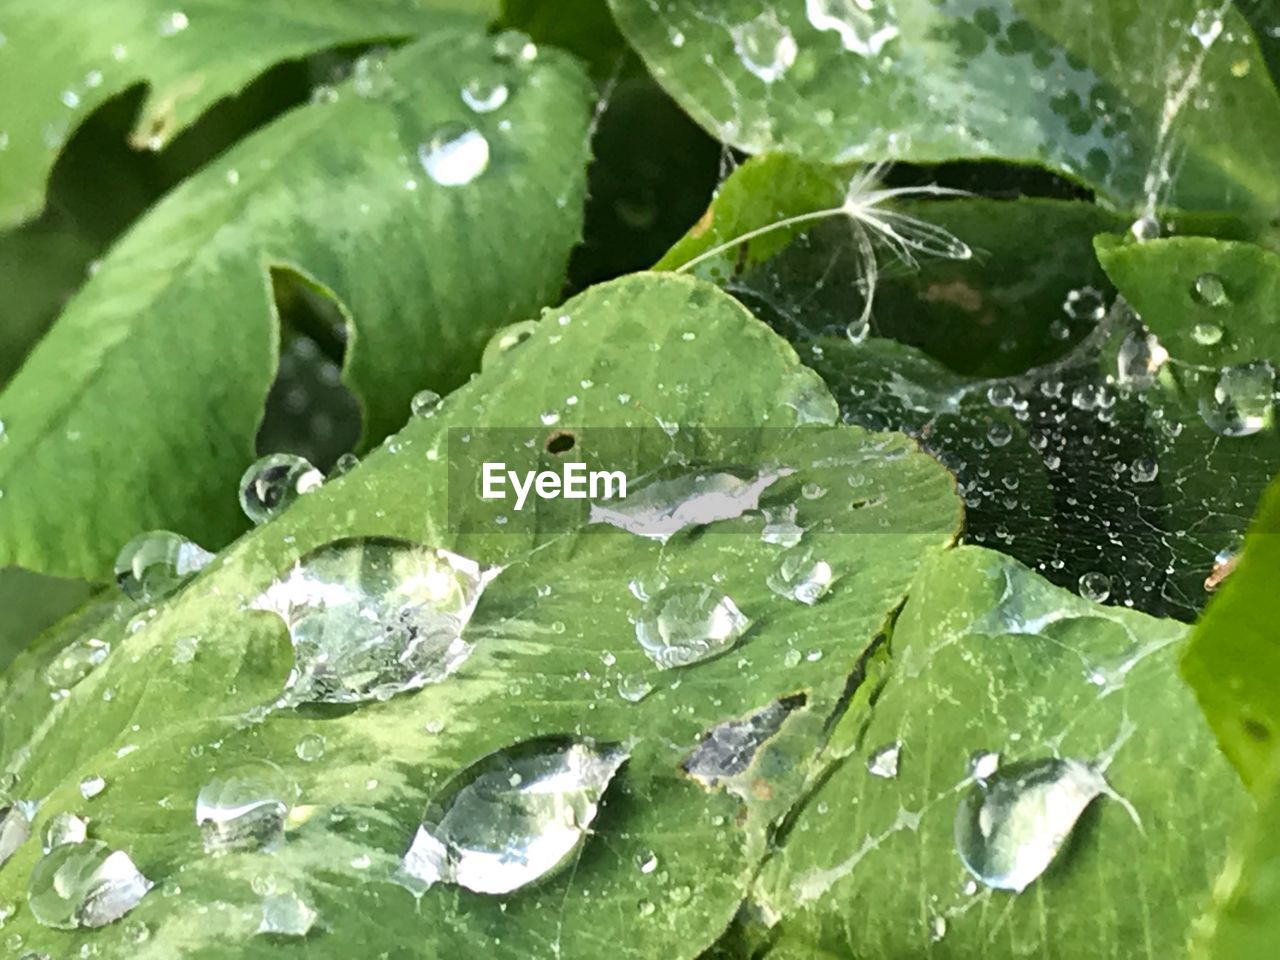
343	465
999	433
425	403
798	576
92	786
1085	304
864	26
64	828
1206	26
780	527
983	764
15	826
1001	395
937	928
84	885
153	565
683	625
1095	586
310	748
76	662
1144	470
1242	400
1140	357
485	96
1206	334
663	508
647	861
728	749
455	155
273	483
883	762
505	340
512	817
512	46
633	688
371	618
765	46
369	77
1009	827
1208	289
173	23
286	915
245	808
1145	228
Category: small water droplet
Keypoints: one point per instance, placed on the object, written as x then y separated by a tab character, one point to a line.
1206	26
1009	827
15	825
684	625
371	618
1242	400
765	46
1206	334
84	885
633	688
63	828
799	576
982	764
937	928
1209	289
506	340
454	155
286	915
173	23
76	662
425	403
310	748
153	565
1085	304
1144	470
512	46
92	786
1145	228
1140	357
245	808
1095	586
647	861
883	762
485	96
999	433
273	483
512	817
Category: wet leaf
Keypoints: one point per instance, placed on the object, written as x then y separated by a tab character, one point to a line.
993	667
138	411
1110	107
67	59
556	654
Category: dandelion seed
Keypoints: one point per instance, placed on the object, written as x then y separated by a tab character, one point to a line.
907	237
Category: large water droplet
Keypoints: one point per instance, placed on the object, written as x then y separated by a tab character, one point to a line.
1242	399
864	26
455	155
371	618
1010	826
512	817
273	483
800	576
765	46
688	624
728	749
883	762
245	809
15	826
663	508
84	885
153	565
64	828
1209	289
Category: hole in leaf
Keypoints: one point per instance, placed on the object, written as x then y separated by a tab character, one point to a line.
562	441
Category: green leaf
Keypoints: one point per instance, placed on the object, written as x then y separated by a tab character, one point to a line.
987	656
138	410
1017	80
31	603
554	644
68	58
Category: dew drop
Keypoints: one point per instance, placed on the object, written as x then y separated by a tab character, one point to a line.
153	565
633	688
1208	289
883	762
245	808
1144	470
799	576
1009	827
1206	334
1140	357
983	764
999	433
310	748
484	96
15	826
63	828
173	23
76	662
1206	26
1095	586
371	618
286	915
92	786
765	46
647	861
425	403
684	625
512	817
512	46
1242	400
506	340
272	484
1145	228
1085	304
454	155
84	885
